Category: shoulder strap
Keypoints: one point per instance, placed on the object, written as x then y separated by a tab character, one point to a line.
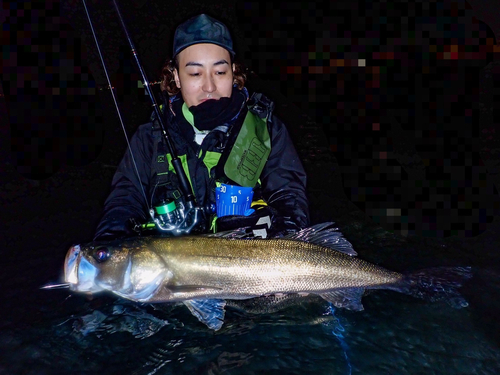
160	164
261	105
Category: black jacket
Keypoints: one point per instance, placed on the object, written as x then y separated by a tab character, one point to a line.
283	180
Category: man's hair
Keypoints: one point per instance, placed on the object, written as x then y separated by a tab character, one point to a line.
167	81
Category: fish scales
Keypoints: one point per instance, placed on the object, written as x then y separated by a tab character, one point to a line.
256	267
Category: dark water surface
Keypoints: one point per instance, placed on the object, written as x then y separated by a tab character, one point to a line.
401	129
55	332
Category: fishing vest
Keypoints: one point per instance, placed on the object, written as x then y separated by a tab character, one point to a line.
238	158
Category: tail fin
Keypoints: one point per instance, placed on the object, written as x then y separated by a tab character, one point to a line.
439	283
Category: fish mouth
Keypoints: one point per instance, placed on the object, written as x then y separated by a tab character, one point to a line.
70	272
79	273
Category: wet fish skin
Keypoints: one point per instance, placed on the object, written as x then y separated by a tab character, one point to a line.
203	271
207	267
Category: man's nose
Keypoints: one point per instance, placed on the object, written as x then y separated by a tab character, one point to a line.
209	84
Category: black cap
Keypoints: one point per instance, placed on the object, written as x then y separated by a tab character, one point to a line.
202	29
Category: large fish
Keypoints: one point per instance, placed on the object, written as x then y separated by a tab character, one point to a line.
203	271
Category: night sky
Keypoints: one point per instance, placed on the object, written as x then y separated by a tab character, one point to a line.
406	93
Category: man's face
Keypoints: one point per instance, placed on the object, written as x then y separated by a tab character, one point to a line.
204	73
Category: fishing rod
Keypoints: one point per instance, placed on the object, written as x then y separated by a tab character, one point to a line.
171	217
176	162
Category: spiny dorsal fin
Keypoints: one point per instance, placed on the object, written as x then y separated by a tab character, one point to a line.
319	234
323	235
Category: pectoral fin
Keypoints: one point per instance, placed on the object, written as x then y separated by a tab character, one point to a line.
210	311
190	288
346	298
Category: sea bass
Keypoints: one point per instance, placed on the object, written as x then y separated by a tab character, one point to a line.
205	270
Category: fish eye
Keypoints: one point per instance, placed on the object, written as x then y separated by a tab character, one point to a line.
101	254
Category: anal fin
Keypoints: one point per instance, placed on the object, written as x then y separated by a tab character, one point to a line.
345	298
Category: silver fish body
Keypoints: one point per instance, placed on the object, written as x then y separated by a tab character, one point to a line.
197	269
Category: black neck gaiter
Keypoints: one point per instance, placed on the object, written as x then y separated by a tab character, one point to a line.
212	113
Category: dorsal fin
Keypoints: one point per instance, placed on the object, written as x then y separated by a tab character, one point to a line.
320	234
324	235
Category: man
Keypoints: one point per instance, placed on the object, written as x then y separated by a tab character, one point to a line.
221	136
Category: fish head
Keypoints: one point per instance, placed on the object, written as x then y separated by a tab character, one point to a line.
127	269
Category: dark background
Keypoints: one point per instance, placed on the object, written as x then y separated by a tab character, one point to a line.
393	106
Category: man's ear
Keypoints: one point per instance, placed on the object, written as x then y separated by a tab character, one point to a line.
176	78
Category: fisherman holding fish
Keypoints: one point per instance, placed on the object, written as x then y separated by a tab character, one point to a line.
223	136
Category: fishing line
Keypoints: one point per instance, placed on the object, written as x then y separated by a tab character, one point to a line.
116	104
338	330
